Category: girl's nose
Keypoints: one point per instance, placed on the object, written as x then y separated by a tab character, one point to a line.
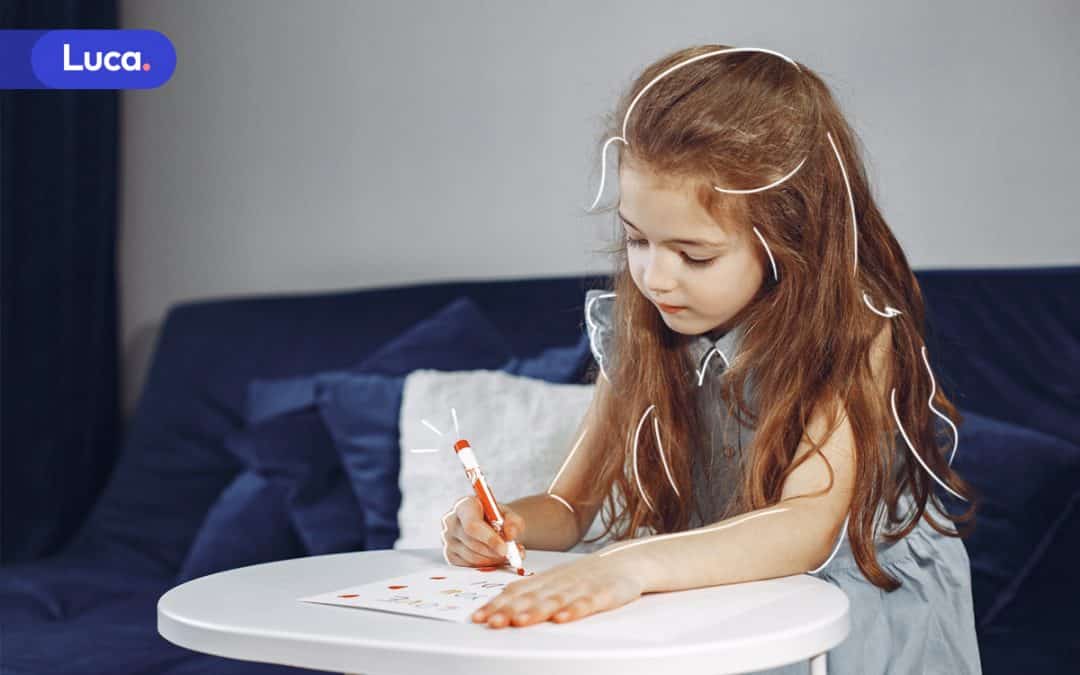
658	277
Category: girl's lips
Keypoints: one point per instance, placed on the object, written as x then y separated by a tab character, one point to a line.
670	309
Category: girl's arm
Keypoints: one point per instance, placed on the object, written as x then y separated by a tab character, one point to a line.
791	537
556	520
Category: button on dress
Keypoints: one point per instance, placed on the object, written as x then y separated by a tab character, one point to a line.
925	626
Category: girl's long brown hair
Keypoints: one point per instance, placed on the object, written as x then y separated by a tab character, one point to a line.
740	121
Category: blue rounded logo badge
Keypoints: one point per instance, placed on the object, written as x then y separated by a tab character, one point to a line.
103	59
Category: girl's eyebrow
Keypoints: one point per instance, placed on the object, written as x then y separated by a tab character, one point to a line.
691	242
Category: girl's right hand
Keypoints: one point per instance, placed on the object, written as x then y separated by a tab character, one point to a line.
471	541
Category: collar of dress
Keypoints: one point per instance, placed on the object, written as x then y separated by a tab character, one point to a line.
715	355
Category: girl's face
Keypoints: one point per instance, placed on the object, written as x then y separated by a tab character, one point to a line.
678	255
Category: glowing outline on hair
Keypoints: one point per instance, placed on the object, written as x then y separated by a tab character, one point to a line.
889	312
892	400
667	469
630	109
772	261
930	402
637	478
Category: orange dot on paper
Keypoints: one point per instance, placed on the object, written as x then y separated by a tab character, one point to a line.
436	577
349	595
396	587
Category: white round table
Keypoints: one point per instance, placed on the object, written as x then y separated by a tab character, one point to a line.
252	613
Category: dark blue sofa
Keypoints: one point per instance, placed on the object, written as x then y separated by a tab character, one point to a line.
1004	343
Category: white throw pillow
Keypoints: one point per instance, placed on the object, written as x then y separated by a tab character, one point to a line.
521	429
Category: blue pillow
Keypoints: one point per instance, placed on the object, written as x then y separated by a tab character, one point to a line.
1025	480
246	526
560	365
293	497
297	450
361	411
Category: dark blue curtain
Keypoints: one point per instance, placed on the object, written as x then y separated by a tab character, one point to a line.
59	411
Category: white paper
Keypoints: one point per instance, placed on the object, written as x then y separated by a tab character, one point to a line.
447	593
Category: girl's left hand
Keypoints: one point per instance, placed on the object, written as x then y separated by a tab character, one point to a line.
565	592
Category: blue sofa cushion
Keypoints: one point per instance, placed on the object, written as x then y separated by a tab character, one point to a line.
61	588
296	450
292	500
361	413
1025	480
118	635
1035	597
247	525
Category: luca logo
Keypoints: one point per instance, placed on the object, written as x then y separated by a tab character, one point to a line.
103	59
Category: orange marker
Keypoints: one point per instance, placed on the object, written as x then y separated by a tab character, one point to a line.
465	453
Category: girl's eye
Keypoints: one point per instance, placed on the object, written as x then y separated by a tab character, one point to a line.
693	262
698	263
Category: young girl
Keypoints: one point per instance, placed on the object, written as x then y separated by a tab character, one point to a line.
764	402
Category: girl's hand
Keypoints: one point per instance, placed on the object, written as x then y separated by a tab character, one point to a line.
566	592
471	541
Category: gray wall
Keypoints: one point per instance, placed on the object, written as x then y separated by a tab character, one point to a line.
331	145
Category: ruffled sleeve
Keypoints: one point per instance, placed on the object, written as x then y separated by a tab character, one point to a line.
599	305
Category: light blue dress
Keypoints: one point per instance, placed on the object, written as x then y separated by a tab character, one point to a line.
925	626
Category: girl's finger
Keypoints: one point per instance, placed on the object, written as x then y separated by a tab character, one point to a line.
468	558
484	537
476	550
580	607
500	604
523	607
504	608
548	604
464	558
493	606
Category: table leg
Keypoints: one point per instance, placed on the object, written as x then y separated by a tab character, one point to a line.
818	665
